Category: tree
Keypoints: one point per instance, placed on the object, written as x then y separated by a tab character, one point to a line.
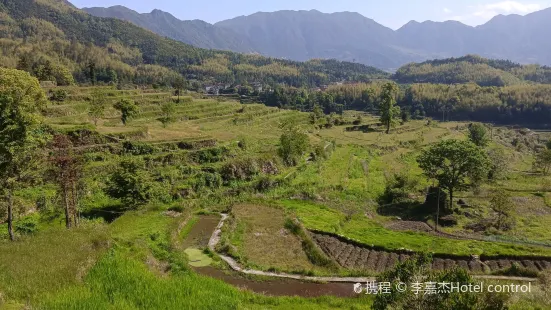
168	110
478	134
454	164
67	172
317	113
543	160
388	108
21	135
499	164
127	108
502	205
92	72
293	144
179	84
131	183
98	101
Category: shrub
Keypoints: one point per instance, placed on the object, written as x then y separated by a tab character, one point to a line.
27	225
265	183
293	144
137	148
131	183
207	179
398	188
58	95
240	170
211	155
478	134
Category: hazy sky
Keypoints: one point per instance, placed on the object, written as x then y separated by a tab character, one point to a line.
391	13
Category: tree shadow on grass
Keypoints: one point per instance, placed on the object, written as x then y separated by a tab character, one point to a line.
407	210
108	213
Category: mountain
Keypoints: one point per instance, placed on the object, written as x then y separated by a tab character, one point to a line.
513	37
195	32
303	35
294	35
56	42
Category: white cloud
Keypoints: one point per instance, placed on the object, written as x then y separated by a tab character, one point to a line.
447	11
480	14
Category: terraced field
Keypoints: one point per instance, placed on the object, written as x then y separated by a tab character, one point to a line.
196	117
357	257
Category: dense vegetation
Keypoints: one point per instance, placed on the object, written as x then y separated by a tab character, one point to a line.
475	69
528	105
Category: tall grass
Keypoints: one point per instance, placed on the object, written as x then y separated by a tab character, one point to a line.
117	282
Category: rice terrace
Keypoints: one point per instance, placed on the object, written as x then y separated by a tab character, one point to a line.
140	172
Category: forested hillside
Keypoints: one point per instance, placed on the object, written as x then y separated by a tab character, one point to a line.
472	68
56	42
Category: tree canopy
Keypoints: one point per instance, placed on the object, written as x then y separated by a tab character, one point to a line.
454	164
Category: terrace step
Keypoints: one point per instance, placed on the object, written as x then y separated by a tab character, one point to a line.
365	258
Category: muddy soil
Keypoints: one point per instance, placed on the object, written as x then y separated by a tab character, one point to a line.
280	287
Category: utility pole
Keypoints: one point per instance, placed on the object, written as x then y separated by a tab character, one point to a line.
437	210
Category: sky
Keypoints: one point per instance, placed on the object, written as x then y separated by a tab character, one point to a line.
391	13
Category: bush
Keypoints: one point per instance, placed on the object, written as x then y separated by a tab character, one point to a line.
516	270
177	208
240	170
137	148
131	183
293	144
398	188
58	95
478	134
27	225
207	179
207	156
265	183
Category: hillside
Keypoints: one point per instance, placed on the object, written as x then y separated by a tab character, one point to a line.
472	69
53	40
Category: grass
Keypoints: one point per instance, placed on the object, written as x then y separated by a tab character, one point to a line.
372	232
117	282
49	261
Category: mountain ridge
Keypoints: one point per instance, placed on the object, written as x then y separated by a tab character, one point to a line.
349	36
